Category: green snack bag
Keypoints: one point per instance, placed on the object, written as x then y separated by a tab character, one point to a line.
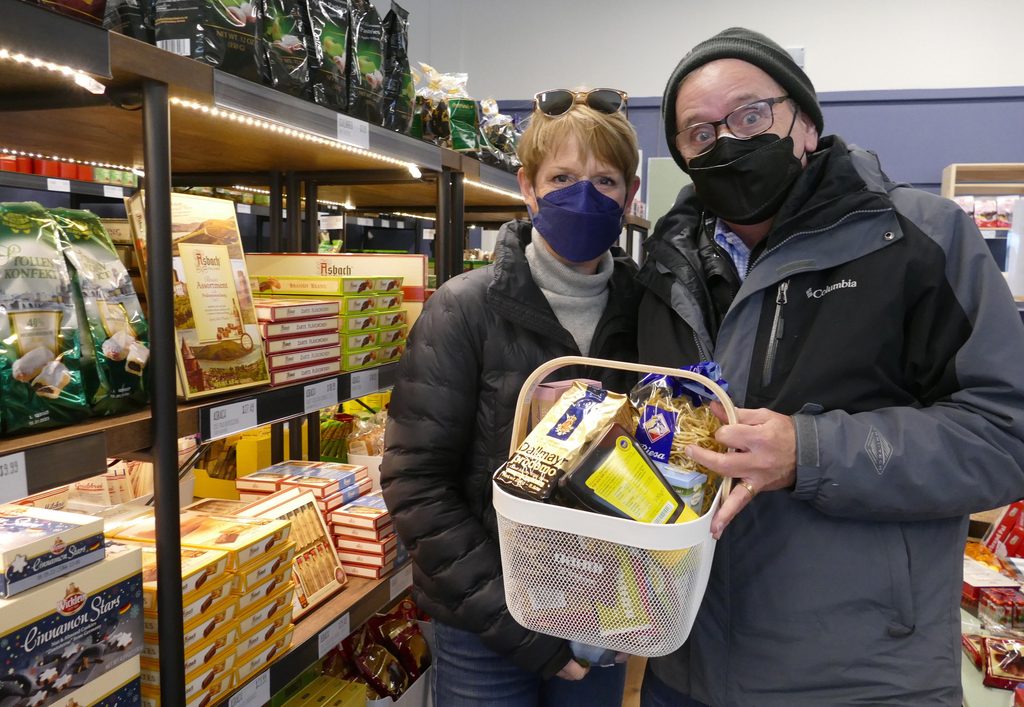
399	92
366	62
463	122
328	56
221	33
114	333
40	381
283	47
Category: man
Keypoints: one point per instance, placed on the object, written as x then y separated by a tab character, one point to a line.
876	353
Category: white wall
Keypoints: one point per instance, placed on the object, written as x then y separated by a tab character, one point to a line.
513	48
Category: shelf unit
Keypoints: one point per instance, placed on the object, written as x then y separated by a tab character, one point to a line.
200	127
994	179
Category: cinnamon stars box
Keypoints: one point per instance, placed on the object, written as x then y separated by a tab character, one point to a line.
37	545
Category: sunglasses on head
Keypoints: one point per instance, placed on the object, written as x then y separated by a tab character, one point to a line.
560	101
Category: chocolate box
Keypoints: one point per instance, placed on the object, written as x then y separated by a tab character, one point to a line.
365	571
269	587
279	310
65	634
387	284
368	547
391	352
260	482
1004	662
37	545
1006	536
205	650
299	327
200	570
394	335
300	343
269	608
366	512
267	631
359	342
302	373
386	320
375	534
198	681
254	661
212	622
366	559
356	361
201	604
306	357
260	570
385	303
355	323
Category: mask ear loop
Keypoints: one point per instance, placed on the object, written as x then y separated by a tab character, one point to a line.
796	114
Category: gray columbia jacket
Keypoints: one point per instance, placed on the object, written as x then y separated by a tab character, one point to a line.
874	314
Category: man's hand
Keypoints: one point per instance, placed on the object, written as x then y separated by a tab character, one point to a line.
572	671
765	458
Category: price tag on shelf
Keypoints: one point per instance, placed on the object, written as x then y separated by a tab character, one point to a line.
235	417
58	185
385	223
333	635
112	192
255	694
321	395
363	382
353	131
401	581
13	477
332	223
428	234
244	208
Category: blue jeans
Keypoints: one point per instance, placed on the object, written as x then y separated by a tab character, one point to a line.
655	693
468	674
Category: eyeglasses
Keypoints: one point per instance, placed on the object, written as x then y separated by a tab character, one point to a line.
560	101
743	123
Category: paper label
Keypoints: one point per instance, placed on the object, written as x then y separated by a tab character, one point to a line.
255	694
112	192
363	382
235	417
353	131
13	477
58	185
243	208
321	395
332	635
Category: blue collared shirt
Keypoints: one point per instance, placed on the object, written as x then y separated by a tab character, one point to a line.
734	246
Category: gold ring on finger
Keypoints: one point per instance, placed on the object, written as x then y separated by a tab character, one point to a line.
749	487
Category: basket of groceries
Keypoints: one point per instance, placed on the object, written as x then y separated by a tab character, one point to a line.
604	522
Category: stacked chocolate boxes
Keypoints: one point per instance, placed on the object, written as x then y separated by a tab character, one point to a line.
365	537
301	338
70	610
236	596
372	323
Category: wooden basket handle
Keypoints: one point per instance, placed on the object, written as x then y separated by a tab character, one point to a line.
522	415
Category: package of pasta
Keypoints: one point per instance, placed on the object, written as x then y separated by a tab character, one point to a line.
560	439
114	332
674	413
40	380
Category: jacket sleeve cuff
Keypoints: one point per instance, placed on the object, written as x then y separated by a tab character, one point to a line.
808	457
562	656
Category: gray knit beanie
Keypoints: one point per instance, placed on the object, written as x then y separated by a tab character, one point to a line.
749	46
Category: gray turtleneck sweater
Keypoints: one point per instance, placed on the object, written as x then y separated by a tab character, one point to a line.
578	300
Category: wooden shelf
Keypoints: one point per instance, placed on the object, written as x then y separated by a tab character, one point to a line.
66	454
982	179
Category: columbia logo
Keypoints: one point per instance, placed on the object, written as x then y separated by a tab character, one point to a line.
841	285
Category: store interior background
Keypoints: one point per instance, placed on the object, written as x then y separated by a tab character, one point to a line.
924	83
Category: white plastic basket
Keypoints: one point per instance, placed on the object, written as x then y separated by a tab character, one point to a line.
618	584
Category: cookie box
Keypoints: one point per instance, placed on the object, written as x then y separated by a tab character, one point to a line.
210	599
204	651
254	661
272	584
200	570
257	572
269	630
37	545
244	539
119	687
198	681
268	608
67	633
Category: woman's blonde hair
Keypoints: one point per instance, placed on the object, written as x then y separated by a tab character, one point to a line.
609	138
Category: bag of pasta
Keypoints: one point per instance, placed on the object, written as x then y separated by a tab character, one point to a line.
674	413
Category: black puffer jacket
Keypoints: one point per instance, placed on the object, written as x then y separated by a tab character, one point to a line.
479	337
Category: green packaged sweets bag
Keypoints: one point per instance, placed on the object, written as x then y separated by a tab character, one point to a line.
366	62
328	57
282	47
399	92
464	124
114	333
40	380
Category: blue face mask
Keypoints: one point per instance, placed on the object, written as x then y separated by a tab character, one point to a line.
578	222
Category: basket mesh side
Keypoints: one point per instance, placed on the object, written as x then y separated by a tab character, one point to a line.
604	594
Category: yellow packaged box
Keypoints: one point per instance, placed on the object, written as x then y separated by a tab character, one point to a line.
355	323
210	623
200	569
266	631
257	572
198	681
204	652
352	694
254	661
244	539
384	303
269	608
355	361
193	609
270	586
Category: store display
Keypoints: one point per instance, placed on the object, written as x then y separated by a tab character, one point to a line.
329	39
366	65
38	545
115	335
218	341
40	381
282	46
62	635
399	97
221	33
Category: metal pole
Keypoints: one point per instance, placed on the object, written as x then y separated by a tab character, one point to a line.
275	212
295	438
450	232
276	443
164	404
457	249
312	229
294	215
313	436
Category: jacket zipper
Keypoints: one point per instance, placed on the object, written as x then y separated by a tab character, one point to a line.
776	334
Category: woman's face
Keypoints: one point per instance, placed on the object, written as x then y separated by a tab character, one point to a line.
568	165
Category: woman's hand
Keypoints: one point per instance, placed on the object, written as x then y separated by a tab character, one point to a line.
572	671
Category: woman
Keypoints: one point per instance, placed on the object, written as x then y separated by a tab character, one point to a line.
556	288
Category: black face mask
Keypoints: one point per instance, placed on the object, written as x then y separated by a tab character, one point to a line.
745	181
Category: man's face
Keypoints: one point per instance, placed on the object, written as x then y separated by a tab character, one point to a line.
716	89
